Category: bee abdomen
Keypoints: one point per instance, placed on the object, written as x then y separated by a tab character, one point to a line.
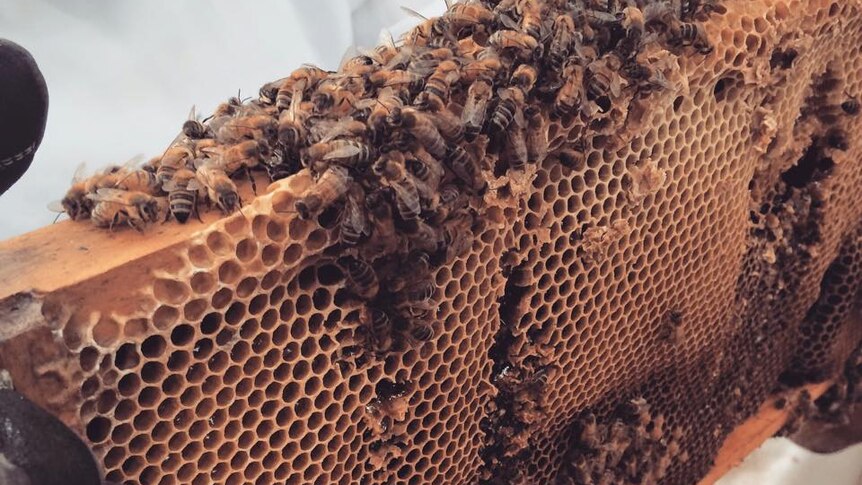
362	277
503	116
182	204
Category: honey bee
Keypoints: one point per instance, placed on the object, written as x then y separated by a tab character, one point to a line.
690	34
602	83
422	331
183	190
219	187
361	277
348	153
486	66
425	62
449	125
571	95
134	180
564	32
464	15
193	128
415	300
269	91
531	17
475	108
279	166
354	224
176	157
298	83
524	78
292	132
384	239
332	185
451	201
431	32
647	79
356	66
327	130
522	45
425	168
243	156
416	265
379	329
850	106
589	435
387	101
332	98
511	101
75	202
516	149
436	93
634	24
464	167
387	51
229	107
254	127
700	9
537	135
422	128
398	79
407	202
114	207
456	235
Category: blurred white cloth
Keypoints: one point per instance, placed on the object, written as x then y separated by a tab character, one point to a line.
122	74
781	462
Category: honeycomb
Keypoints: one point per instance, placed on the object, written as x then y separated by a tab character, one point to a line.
624	303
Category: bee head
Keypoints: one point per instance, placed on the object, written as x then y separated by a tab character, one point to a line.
395	116
322	102
148	208
268	93
306	206
194	129
75	206
228	200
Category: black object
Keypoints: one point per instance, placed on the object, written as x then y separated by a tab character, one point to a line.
37	449
23	111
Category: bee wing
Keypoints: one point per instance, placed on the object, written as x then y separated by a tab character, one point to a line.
109	195
343	152
194	185
80	170
413	13
388	39
56	206
349	53
213	152
192	113
519	118
601	16
509	22
133	163
169	186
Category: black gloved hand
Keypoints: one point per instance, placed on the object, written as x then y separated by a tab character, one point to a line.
37	449
23	111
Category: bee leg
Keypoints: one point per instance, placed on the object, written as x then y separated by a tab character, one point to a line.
114	221
251	179
167	215
196	211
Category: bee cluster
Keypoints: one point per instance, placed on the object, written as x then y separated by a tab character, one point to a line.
396	138
632	447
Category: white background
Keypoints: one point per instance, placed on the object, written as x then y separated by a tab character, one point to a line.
122	75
